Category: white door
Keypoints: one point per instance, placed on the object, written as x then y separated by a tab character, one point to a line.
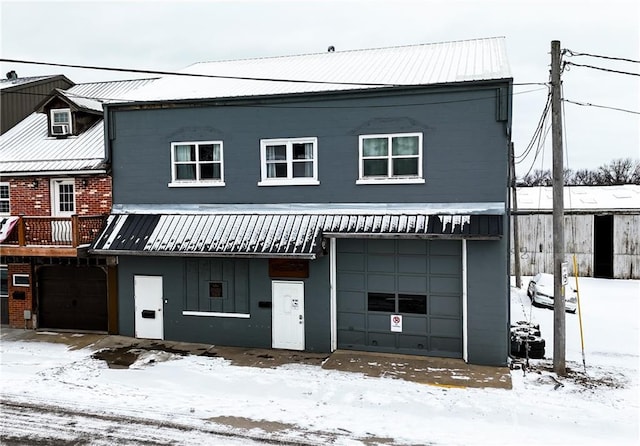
287	320
63	204
148	307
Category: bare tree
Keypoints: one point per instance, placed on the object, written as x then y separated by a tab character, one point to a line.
618	171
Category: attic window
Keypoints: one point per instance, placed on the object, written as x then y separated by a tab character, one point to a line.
60	122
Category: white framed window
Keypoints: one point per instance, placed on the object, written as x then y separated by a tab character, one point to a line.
5	207
289	161
61	122
21	280
198	163
390	158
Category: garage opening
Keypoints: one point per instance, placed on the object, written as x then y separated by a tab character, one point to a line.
603	246
400	296
72	298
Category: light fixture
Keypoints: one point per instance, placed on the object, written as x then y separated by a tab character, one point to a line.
84	182
34	184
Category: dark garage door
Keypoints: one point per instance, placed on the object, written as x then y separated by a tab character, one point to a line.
72	297
420	280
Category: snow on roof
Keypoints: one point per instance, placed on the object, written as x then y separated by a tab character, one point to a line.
581	198
425	64
8	83
27	147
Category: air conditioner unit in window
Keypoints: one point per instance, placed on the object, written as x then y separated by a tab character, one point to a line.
60	129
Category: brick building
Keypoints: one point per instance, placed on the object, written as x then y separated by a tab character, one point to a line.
55	191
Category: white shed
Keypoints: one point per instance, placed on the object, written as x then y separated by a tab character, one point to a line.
601	224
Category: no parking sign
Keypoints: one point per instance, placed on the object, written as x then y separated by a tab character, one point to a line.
396	322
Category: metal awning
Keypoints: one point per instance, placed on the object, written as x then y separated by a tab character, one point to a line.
276	234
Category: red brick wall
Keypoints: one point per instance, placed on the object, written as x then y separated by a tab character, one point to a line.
17	307
30	200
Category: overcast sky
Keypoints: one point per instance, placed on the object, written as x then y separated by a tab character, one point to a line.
171	35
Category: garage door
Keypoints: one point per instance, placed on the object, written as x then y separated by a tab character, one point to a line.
72	297
420	280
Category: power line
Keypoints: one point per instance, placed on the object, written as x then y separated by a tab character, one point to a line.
576	54
588	104
602	69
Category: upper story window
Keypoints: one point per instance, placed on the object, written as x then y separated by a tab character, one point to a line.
61	122
197	164
292	161
393	158
4	199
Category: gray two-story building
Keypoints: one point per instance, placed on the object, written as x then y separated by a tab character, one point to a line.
340	200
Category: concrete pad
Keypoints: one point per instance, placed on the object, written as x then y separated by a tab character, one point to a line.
443	372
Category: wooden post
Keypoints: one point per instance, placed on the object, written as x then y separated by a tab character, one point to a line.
514	214
75	236
21	238
559	344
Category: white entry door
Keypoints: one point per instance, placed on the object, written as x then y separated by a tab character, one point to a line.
148	307
63	204
287	311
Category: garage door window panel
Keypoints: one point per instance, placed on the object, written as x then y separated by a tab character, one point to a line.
385	302
412	303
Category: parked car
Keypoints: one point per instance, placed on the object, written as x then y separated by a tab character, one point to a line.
540	290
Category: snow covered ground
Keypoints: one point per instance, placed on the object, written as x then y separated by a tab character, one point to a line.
49	392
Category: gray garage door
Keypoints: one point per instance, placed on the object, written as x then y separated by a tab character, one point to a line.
419	280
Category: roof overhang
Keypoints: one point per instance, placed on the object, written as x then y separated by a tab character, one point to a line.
286	230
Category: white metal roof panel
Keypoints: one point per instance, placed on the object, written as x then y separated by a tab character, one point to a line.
8	83
581	198
436	63
28	148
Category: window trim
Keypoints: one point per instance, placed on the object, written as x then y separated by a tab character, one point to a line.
289	180
52	122
21	276
389	179
196	183
8	199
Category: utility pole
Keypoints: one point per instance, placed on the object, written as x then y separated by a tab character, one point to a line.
514	214
559	345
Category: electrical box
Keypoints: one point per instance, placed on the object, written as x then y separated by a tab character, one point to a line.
27	315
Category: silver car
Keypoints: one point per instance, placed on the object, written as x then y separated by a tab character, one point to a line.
540	290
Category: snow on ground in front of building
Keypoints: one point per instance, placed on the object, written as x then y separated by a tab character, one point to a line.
193	390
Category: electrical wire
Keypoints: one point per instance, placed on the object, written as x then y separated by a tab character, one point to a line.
576	54
536	133
609	70
588	104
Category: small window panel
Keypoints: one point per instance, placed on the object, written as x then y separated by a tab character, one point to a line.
289	161
412	303
197	164
4	199
216	290
21	280
385	302
393	158
61	121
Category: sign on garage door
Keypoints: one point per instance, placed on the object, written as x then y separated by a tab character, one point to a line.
419	280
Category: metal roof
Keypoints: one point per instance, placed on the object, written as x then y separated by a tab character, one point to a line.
426	64
27	148
9	83
276	233
581	198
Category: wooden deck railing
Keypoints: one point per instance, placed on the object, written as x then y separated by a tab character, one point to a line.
56	231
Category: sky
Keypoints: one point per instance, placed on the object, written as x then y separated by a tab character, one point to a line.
170	35
166	398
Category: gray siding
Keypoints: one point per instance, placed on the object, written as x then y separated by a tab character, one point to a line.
487	302
244	277
465	148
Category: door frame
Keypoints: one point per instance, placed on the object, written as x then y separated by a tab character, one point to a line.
274	312
138	309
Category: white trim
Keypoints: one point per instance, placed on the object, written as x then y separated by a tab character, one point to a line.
333	300
388	179
13	280
465	321
290	180
197	182
55	196
395	180
66	111
8	199
215	314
